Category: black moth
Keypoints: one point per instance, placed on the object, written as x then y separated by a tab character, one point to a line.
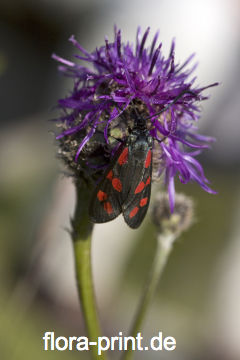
126	184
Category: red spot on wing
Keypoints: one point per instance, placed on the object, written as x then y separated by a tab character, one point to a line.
148	180
116	183
108	207
140	187
143	202
148	159
110	175
133	212
102	196
123	157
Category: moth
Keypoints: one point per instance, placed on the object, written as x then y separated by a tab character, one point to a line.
126	184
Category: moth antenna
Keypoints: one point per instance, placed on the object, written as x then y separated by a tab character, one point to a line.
172	103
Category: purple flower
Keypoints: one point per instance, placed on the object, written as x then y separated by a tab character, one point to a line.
98	110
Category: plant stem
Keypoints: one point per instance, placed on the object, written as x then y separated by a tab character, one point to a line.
164	247
81	235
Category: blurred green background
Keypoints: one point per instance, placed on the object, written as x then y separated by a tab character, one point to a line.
198	298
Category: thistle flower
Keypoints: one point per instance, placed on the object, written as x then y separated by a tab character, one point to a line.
98	111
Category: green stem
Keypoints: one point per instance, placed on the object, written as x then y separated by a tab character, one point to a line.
164	247
81	235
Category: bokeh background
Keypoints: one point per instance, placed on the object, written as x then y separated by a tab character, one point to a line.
198	298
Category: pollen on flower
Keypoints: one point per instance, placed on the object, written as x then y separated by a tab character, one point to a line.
116	81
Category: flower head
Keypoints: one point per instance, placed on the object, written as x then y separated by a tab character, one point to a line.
118	79
175	223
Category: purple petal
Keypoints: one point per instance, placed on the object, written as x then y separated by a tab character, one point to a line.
171	191
76	43
143	42
85	140
154	59
154	43
63	61
194	146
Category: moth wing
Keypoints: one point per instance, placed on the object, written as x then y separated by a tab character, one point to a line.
104	205
109	195
136	204
135	211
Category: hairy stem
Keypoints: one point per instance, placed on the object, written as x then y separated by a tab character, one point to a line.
164	247
81	235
